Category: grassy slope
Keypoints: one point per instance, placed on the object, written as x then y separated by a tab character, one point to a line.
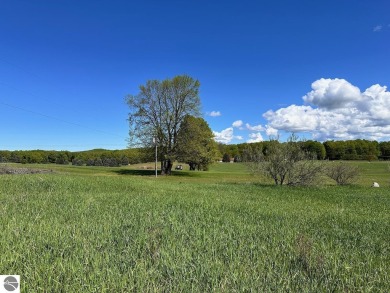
203	231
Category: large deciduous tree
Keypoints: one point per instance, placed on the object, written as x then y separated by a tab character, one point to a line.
157	112
195	143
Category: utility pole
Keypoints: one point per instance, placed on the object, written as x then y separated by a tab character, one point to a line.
155	162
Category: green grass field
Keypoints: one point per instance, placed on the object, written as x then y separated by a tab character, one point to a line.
97	229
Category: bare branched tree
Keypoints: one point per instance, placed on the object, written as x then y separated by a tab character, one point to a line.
285	163
343	173
305	171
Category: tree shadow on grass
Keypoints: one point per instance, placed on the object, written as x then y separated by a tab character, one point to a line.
135	172
185	173
150	173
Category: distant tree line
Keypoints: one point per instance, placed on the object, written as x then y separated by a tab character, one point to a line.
359	149
333	150
97	157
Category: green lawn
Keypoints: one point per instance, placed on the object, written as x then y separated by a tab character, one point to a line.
96	229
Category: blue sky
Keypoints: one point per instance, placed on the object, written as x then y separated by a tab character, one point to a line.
317	68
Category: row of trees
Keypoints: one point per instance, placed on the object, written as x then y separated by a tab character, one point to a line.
196	147
98	157
358	149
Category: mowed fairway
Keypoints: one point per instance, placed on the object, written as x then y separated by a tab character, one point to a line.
85	229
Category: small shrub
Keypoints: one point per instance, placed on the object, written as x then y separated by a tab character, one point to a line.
286	163
305	172
342	173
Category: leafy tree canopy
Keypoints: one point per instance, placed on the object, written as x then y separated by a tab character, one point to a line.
195	143
157	112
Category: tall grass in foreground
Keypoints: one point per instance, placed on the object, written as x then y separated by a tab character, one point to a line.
68	233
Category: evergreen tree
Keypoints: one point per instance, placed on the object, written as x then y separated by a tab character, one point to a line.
195	143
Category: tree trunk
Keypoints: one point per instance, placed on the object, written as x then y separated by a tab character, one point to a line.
192	166
166	167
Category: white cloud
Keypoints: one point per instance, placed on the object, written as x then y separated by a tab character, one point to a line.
270	131
377	28
214	113
339	111
254	128
237	123
255	137
225	136
332	93
295	118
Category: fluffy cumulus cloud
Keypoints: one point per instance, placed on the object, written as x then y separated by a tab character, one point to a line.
255	137
332	93
336	109
237	123
226	135
254	128
270	131
214	114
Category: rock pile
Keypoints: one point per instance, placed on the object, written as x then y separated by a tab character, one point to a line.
18	171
